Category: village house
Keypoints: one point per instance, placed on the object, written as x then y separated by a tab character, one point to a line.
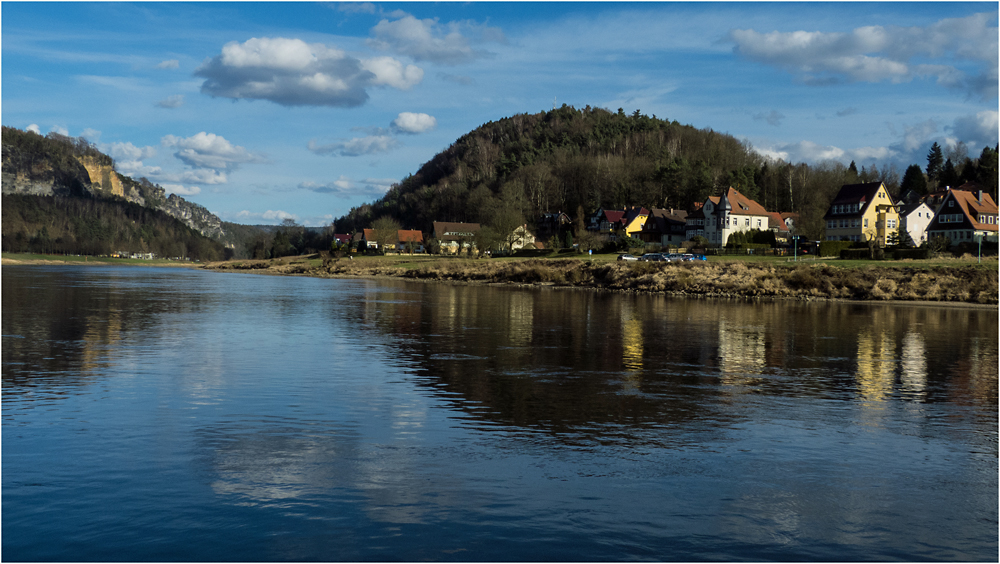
965	216
634	219
455	237
409	241
606	222
721	216
862	212
552	225
665	227
915	218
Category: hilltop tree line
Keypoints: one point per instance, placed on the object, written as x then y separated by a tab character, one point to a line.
575	161
90	226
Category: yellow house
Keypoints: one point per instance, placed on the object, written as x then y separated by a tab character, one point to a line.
634	219
862	212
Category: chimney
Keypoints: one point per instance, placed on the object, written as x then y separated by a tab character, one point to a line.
980	197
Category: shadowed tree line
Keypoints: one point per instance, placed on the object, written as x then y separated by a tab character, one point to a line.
570	160
90	226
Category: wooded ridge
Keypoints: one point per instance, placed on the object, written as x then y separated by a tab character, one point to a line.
575	161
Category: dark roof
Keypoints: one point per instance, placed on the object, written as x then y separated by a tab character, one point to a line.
451	231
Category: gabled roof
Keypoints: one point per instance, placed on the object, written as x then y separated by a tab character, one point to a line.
971	206
634	212
906	209
342	237
775	221
614	216
408	235
863	194
451	231
740	204
661	221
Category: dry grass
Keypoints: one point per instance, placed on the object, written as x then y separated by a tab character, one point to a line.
962	282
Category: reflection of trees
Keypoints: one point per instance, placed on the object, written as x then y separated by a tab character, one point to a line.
66	327
588	366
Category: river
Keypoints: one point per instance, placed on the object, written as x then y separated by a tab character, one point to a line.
173	414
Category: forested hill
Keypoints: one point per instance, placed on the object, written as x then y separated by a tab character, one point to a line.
57	165
574	161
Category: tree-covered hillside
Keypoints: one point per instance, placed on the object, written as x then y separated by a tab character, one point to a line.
575	160
92	226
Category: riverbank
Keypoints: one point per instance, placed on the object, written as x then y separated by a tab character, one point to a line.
965	283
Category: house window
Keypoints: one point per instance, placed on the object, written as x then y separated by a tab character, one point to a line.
758	223
951	203
747	222
866	223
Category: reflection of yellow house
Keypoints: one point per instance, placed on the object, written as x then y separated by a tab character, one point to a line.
876	365
862	212
634	220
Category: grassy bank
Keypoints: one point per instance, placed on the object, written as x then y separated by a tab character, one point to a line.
28	258
947	280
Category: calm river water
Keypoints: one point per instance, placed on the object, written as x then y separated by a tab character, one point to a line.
172	414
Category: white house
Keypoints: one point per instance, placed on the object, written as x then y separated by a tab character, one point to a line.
727	214
915	218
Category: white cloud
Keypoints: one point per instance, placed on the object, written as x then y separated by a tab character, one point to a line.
181	190
208	150
291	72
169	64
127	151
876	53
409	122
428	40
979	130
390	72
272	215
60	130
356	147
34	128
170	102
91	135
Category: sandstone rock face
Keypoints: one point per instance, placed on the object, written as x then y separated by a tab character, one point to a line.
102	181
103	178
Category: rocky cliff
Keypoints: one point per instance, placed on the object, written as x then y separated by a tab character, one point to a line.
56	165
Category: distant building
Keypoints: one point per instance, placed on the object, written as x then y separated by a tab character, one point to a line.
456	237
552	225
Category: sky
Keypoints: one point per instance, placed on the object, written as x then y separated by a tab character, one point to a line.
265	111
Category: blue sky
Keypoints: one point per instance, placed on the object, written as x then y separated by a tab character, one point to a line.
263	111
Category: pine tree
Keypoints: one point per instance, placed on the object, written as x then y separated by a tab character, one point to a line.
934	161
913	179
949	176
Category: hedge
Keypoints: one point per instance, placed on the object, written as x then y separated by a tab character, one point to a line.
834	248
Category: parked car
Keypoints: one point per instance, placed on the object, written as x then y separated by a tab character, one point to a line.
626	257
689	256
653	257
675	257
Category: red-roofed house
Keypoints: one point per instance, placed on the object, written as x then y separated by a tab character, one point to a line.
964	216
727	214
605	221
